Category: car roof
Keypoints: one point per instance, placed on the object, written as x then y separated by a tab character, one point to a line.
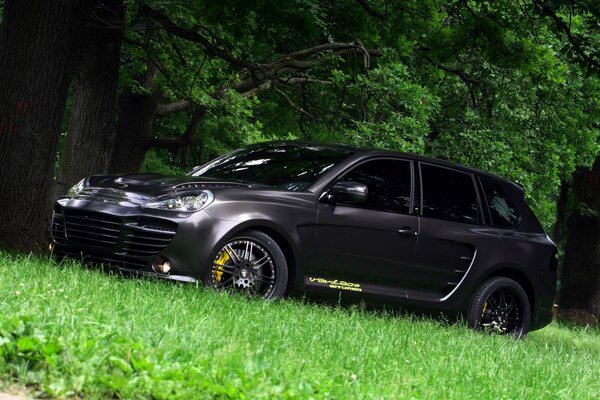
363	151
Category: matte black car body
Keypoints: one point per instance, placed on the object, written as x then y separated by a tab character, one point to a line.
407	259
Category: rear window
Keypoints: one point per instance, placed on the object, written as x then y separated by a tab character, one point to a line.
504	213
449	194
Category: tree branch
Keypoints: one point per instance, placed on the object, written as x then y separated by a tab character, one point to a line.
193	36
176	143
253	78
367	7
172	108
462	75
546	9
156	63
458	72
292	104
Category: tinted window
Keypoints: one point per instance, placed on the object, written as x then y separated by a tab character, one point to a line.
284	166
388	182
449	194
504	213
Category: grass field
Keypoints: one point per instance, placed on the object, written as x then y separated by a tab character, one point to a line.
66	330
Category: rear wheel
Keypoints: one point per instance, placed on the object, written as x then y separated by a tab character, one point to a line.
500	305
251	263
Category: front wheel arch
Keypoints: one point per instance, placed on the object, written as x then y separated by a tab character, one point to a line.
283	240
237	267
287	250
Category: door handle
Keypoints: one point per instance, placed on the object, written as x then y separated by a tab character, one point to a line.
407	231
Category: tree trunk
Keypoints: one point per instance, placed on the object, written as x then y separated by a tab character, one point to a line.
562	212
137	113
39	47
90	140
580	277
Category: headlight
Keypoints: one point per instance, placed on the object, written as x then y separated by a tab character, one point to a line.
74	191
189	203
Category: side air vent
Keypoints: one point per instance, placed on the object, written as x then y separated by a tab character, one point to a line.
147	237
459	270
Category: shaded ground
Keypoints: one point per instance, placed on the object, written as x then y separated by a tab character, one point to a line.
13	393
8	396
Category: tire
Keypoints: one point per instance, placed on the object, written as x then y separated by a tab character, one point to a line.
252	263
500	305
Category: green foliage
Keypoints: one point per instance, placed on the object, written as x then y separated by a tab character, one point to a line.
510	102
395	111
68	331
232	125
494	85
155	163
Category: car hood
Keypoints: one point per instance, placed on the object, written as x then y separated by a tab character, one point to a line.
156	184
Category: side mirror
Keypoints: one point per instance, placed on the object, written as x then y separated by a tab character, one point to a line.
350	192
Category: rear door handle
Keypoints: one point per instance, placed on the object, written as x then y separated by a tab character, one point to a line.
407	231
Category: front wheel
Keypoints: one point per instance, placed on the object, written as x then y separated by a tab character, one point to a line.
252	263
500	305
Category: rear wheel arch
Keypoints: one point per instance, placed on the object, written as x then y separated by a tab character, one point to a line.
500	305
514	273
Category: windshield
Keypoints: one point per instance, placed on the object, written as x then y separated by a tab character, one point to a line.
286	166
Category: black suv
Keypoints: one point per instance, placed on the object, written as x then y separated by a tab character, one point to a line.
289	217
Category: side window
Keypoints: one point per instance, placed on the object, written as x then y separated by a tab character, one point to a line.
504	213
449	195
389	183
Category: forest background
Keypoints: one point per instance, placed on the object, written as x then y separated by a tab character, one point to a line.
507	86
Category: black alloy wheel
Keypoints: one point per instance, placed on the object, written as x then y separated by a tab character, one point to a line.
501	306
250	263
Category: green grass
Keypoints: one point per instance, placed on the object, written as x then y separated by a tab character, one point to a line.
66	330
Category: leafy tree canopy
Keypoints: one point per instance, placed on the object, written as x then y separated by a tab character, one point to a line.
497	85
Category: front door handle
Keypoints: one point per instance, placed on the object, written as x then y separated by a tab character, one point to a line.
407	231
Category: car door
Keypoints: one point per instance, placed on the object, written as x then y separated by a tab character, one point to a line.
451	235
370	244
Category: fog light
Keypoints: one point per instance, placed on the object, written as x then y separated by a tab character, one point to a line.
161	265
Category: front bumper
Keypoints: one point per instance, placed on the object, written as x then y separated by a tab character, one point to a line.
133	238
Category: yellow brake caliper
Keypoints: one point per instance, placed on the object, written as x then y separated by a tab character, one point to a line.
218	267
484	308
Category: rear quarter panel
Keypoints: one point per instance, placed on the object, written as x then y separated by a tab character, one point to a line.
529	249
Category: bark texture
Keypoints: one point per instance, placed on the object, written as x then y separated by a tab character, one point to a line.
580	277
39	48
90	140
136	117
562	210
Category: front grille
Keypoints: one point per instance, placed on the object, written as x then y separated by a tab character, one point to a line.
133	236
58	226
91	228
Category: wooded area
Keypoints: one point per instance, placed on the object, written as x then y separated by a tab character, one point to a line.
511	87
